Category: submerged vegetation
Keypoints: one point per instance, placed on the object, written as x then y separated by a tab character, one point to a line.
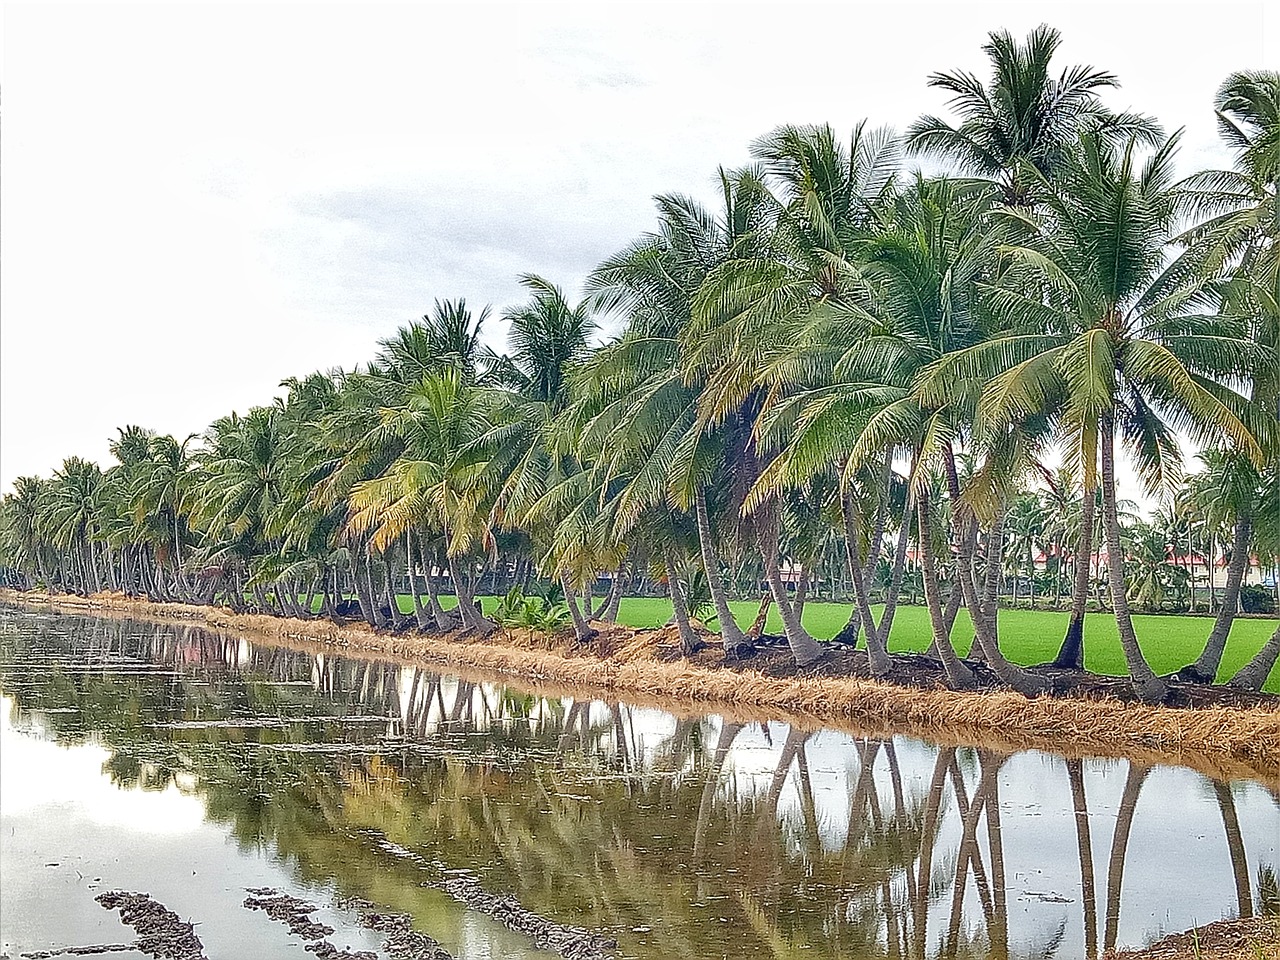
850	377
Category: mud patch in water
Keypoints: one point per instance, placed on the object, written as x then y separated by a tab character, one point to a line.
161	932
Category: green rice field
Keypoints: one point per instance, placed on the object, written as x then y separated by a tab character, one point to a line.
1026	636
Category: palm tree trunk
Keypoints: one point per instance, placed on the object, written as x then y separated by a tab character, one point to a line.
444	620
735	641
1071	654
1148	687
609	612
1213	591
804	648
1084	841
962	518
959	676
420	615
877	654
1254	673
1057	572
689	642
472	618
762	615
994	571
1191	563
895	576
393	602
363	595
1205	669
581	628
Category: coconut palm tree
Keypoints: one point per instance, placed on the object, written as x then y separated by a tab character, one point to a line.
1025	119
638	399
746	316
435	481
69	517
1114	349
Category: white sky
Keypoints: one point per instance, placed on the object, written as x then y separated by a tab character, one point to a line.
201	200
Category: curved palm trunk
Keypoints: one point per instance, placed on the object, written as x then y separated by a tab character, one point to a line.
444	620
735	641
804	648
393	603
993	572
762	615
689	642
420	614
1205	669
1254	673
581	628
877	655
472	618
1119	847
895	576
985	646
1148	687
363	594
1071	654
1084	841
959	676
610	611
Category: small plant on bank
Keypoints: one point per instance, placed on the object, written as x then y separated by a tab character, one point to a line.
544	615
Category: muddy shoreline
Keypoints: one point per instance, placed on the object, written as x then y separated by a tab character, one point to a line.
1222	741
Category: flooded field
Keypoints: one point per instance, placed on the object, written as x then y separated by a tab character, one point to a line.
281	802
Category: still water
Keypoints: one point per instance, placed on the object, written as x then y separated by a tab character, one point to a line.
193	765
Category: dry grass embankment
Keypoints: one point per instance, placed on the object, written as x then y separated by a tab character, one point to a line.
1255	938
1221	741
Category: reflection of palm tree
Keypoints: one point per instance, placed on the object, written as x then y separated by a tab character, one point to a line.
1119	847
1084	840
928	835
728	733
1235	847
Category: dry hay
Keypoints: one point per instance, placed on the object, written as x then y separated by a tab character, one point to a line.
1252	938
1219	741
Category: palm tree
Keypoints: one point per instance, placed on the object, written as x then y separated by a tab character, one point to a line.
1117	352
1226	494
1242	236
22	540
1025	119
70	516
435	481
747	312
638	399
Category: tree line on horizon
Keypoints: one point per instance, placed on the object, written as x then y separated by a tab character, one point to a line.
846	361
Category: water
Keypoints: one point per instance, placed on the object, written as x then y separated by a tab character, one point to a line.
193	765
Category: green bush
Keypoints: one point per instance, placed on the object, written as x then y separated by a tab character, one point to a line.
1256	598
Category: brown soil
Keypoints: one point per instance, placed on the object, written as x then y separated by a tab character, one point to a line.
1252	939
1219	732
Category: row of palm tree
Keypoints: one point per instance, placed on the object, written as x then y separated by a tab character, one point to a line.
844	361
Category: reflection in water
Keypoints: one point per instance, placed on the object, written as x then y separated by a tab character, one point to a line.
681	836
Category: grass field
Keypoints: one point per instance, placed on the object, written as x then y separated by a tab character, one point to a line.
1026	636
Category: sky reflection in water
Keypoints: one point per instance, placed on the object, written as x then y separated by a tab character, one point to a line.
192	765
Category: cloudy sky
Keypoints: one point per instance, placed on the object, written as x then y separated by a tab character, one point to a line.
200	200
